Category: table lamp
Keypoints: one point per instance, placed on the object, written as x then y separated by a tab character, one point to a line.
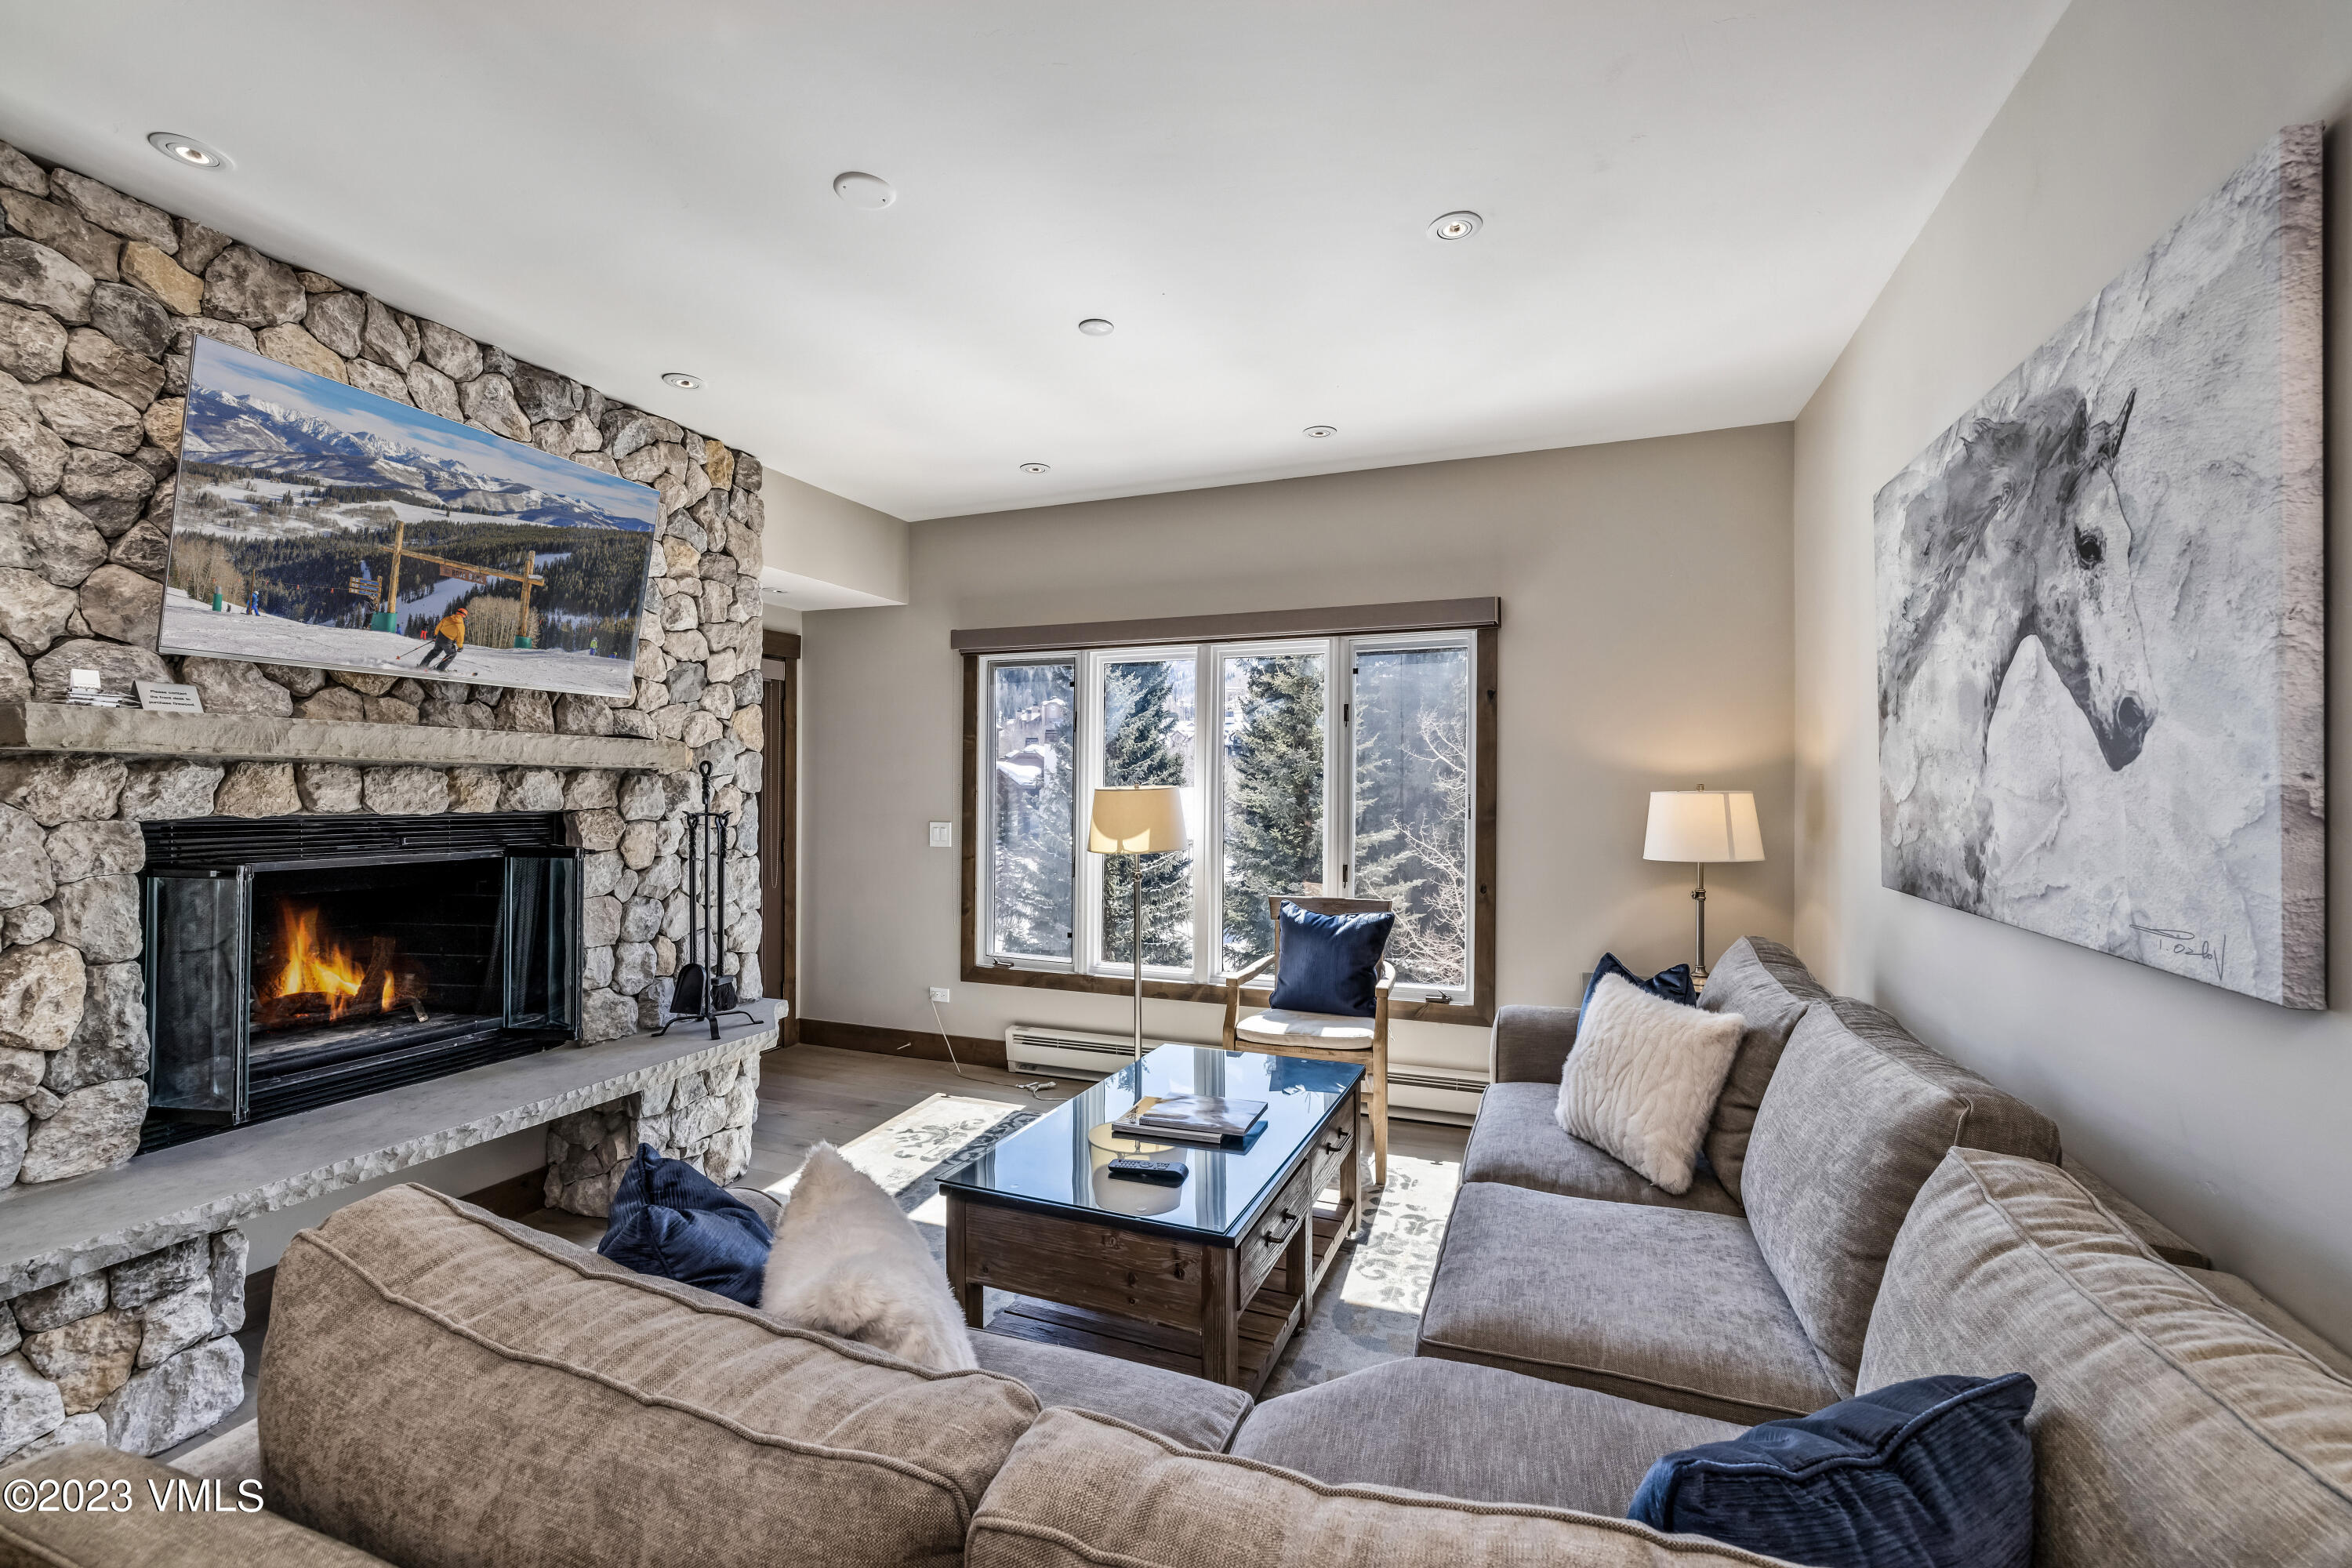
1701	826
1139	819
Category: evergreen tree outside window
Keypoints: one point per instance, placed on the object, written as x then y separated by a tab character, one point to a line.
1035	713
1274	735
1147	733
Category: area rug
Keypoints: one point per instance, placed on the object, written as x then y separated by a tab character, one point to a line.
1369	1310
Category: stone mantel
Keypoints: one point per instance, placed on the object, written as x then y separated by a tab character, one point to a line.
136	733
52	1231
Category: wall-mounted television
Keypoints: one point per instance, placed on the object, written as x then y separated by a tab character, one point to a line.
320	525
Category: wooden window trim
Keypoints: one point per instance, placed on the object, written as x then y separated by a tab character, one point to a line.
1479	1011
1253	626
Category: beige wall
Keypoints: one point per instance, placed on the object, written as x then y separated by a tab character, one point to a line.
1645	644
826	549
2226	1116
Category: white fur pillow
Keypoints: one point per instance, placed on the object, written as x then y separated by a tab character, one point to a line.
1643	1078
847	1262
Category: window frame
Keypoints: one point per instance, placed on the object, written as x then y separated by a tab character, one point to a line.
1083	971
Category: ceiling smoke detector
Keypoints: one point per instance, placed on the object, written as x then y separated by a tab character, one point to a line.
1036	468
682	381
1096	327
1456	225
867	193
185	150
1320	432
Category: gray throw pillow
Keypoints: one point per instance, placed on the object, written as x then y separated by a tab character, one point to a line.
1858	1113
1768	988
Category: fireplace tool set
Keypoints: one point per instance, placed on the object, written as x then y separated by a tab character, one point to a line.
702	994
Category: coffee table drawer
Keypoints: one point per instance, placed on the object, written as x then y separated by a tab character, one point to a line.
1333	1146
1261	1250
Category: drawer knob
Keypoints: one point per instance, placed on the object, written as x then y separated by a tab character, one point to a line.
1281	1232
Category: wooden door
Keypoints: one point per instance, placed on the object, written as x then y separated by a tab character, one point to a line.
779	804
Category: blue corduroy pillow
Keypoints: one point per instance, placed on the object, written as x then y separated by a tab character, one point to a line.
1672	984
1330	963
670	1219
1932	1473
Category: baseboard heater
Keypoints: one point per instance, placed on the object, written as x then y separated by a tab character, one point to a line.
1424	1092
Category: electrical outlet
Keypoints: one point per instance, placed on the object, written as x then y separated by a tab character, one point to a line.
938	993
942	835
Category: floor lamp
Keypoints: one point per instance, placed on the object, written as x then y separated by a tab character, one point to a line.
1142	819
1699	825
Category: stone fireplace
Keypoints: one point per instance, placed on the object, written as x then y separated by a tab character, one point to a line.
213	927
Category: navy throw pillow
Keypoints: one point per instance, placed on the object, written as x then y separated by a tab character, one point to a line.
1932	1473
670	1219
1672	984
1330	963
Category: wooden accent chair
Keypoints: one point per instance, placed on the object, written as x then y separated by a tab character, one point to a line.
1325	1036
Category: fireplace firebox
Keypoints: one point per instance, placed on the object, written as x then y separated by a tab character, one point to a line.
292	963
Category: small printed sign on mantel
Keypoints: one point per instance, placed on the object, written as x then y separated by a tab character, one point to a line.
162	696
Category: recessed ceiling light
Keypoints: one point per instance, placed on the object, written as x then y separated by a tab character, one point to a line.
682	381
868	193
185	150
1456	225
1096	327
1036	468
1317	432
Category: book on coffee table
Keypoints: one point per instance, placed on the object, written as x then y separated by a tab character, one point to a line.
1192	1119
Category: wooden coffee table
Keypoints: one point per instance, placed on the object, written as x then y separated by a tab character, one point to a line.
1211	1277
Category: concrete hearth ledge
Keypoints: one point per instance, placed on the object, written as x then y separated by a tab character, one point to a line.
76	1226
136	733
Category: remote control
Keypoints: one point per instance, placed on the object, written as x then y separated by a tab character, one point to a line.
1163	1171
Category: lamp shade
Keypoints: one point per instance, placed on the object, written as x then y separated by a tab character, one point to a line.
1705	826
1144	819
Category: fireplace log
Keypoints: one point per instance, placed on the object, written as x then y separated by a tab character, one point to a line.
369	1000
298	1010
408	986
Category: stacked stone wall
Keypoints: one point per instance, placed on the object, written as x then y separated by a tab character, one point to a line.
702	1117
140	1356
102	300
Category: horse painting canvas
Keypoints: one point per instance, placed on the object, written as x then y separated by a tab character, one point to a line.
2101	631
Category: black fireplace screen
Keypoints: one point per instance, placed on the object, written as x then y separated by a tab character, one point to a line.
324	959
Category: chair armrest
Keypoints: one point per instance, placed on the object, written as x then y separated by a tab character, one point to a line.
1234	982
1530	1045
1385	977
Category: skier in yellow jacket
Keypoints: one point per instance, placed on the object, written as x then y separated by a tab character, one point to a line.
447	638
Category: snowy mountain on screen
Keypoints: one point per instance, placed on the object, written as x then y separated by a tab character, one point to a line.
245	432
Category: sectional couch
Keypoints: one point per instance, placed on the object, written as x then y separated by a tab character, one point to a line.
441	1387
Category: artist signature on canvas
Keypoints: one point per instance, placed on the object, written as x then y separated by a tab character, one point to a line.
2189	944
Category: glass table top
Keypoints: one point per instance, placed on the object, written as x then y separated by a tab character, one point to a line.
1059	1163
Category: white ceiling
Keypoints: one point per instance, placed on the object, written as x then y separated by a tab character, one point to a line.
1689	204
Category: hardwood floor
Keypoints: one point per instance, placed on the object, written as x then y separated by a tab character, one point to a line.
818	1094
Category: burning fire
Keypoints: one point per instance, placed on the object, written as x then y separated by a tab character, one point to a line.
317	965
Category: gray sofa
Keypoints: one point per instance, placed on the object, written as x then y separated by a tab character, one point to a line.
1897	1216
1558	1257
444	1387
